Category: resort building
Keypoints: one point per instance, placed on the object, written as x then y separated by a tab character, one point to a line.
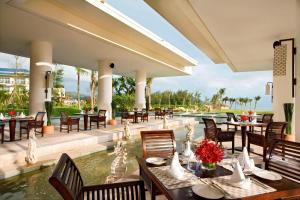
9	77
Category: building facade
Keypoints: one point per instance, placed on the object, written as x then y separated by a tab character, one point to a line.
9	77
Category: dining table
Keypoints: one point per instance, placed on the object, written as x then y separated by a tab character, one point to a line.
243	126
86	118
12	124
156	182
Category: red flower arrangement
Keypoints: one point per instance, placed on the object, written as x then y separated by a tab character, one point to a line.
250	112
244	118
208	152
87	109
12	113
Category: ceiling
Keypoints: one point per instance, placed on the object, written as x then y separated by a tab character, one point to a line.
84	32
239	33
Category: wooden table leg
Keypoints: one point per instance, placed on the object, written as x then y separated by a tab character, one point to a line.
243	132
85	121
12	129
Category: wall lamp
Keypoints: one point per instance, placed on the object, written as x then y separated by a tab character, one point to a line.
269	89
294	51
48	82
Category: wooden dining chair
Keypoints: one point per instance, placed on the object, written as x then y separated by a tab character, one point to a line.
125	115
212	132
275	130
158	143
65	120
67	181
2	125
231	115
158	113
37	124
143	115
284	158
99	118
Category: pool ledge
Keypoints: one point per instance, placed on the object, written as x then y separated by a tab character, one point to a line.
76	144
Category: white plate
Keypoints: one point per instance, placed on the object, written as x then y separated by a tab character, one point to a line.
269	175
207	191
156	160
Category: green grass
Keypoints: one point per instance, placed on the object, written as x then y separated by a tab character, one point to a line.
240	111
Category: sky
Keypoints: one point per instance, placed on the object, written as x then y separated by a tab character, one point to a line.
207	77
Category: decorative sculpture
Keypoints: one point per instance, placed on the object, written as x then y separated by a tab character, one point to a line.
119	164
165	122
127	131
190	132
31	154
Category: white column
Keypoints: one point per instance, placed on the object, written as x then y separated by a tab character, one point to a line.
40	62
140	84
297	101
105	87
282	87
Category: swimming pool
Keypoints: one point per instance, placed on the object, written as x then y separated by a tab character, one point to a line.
94	169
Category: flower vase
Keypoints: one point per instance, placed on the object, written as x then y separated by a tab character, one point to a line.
209	166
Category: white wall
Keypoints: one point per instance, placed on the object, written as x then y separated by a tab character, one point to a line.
282	87
297	108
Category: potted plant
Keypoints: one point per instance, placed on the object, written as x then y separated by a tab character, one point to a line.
49	128
113	120
288	112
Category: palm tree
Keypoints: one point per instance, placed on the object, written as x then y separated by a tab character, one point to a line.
220	94
79	72
225	99
256	99
93	86
250	102
231	102
149	82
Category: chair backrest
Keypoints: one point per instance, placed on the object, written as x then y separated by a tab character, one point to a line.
40	116
275	130
284	158
64	117
66	178
158	143
210	129
125	190
101	112
230	116
157	110
267	118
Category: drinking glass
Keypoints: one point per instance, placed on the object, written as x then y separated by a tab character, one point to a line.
193	164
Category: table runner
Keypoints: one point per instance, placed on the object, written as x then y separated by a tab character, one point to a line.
236	192
162	173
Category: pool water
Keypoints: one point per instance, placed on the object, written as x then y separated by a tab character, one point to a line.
94	169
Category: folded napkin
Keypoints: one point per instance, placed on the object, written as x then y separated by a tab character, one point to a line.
22	114
254	120
232	120
187	152
243	157
238	174
1	116
81	112
176	170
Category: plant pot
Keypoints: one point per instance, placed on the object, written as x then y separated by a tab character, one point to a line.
112	122
289	137
48	129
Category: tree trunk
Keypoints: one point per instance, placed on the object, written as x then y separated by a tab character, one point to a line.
78	90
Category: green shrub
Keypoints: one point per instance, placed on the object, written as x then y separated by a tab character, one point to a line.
68	110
